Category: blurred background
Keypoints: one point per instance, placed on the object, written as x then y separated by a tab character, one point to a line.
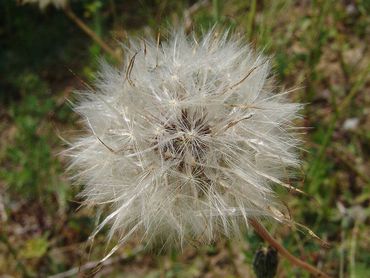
322	47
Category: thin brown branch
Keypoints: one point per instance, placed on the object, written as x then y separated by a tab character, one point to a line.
263	233
87	30
98	264
188	13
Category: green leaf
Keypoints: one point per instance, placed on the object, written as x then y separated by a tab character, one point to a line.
35	248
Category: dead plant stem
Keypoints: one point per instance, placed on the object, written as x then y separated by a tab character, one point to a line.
263	233
87	30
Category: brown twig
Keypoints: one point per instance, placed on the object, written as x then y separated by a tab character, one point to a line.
188	13
71	15
263	233
73	272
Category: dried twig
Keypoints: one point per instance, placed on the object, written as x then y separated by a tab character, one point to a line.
188	13
71	15
95	264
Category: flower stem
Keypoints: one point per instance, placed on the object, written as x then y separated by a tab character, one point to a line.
87	30
263	233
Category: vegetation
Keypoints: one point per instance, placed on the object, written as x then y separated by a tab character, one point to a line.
320	47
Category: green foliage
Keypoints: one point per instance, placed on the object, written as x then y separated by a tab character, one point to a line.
34	248
28	160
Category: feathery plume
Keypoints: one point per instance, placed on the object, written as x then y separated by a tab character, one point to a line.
185	142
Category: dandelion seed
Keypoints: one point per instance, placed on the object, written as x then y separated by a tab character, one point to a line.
185	142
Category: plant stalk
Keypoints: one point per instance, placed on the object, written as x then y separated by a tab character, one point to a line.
264	234
87	30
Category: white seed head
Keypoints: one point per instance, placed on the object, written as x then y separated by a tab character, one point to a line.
44	3
184	143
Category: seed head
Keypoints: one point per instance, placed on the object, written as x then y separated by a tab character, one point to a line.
185	142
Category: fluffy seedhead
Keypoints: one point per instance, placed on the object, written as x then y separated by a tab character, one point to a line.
185	142
44	3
